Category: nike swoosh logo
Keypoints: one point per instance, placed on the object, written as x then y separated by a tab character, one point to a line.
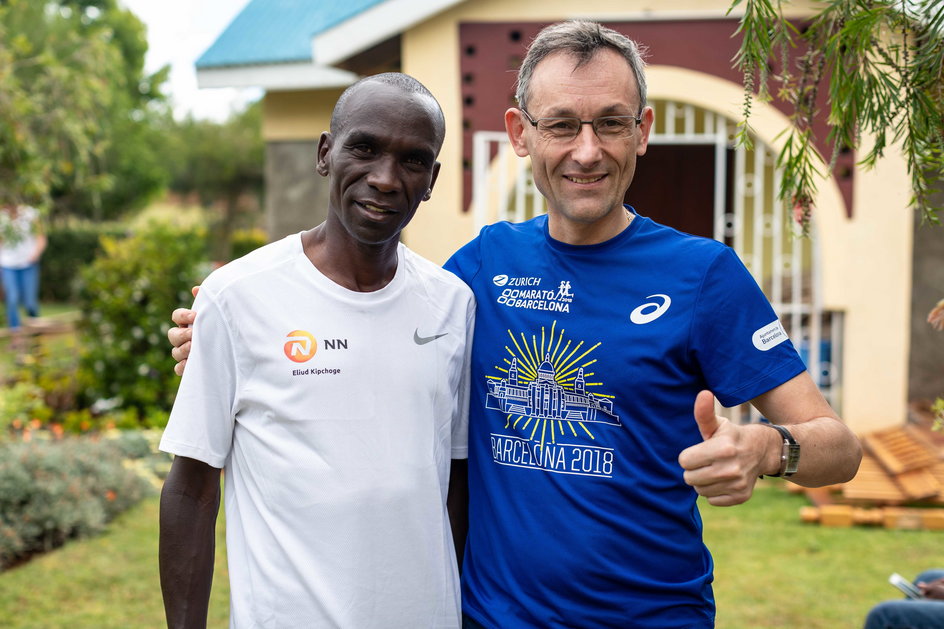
423	340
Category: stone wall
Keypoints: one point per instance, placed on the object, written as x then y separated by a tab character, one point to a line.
296	195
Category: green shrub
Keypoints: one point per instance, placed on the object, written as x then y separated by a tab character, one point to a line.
21	404
127	296
71	247
55	490
50	368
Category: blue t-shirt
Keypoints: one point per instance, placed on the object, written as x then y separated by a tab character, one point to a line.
585	366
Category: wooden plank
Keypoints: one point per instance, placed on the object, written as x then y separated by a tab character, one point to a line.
938	472
933	519
889	517
835	515
872	484
918	484
931	440
907	519
819	496
897	451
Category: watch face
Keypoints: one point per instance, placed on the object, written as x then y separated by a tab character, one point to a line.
793	458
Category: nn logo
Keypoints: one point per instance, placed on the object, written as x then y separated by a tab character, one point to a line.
302	346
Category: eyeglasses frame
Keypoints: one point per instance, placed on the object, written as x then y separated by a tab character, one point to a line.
534	123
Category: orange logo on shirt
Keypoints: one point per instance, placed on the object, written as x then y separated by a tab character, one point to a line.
300	347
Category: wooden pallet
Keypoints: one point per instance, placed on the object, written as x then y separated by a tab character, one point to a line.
872	484
938	471
898	450
908	459
902	468
888	517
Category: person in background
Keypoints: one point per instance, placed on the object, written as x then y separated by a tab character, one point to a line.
22	242
924	613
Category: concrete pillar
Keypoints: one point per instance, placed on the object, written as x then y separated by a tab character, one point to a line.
296	196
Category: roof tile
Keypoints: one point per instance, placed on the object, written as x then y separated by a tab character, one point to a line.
277	31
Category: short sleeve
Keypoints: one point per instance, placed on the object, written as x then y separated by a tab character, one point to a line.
202	420
466	262
736	337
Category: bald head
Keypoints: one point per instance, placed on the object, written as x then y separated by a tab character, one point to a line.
403	82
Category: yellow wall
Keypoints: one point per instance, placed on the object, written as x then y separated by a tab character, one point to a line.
874	253
297	115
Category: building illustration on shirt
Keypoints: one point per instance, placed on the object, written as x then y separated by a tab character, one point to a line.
541	387
545	398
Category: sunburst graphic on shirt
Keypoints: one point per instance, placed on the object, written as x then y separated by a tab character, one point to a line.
542	386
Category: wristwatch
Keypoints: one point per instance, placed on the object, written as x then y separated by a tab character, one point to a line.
790	455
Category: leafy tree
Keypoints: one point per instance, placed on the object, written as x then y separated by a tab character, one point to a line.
221	162
136	152
75	107
882	62
43	64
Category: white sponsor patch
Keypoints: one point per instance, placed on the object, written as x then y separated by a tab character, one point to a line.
769	336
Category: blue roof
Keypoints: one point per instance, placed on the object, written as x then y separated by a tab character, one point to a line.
278	31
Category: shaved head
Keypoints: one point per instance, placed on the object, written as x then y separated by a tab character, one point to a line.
403	82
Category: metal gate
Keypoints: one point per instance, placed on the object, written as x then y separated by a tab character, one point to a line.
757	225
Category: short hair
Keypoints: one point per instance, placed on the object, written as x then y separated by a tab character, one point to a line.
581	39
404	82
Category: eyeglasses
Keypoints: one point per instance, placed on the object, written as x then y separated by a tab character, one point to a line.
567	128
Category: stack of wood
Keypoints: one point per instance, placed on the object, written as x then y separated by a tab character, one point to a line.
900	483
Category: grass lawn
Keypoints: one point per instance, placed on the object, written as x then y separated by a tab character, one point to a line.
57	309
109	582
772	571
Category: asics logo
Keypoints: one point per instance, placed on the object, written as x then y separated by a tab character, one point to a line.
423	340
650	311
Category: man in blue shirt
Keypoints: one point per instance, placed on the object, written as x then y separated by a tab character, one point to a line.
602	341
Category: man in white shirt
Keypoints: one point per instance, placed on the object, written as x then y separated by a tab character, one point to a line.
329	378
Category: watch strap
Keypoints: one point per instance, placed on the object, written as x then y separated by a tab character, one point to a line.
789	455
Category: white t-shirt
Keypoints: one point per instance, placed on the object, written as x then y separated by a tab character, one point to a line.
335	414
18	237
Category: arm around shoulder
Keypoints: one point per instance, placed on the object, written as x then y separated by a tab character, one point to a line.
190	501
829	451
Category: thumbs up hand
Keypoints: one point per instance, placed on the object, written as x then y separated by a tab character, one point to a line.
726	465
708	422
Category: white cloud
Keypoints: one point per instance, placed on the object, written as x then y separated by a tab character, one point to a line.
179	31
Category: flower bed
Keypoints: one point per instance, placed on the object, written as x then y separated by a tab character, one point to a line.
56	489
